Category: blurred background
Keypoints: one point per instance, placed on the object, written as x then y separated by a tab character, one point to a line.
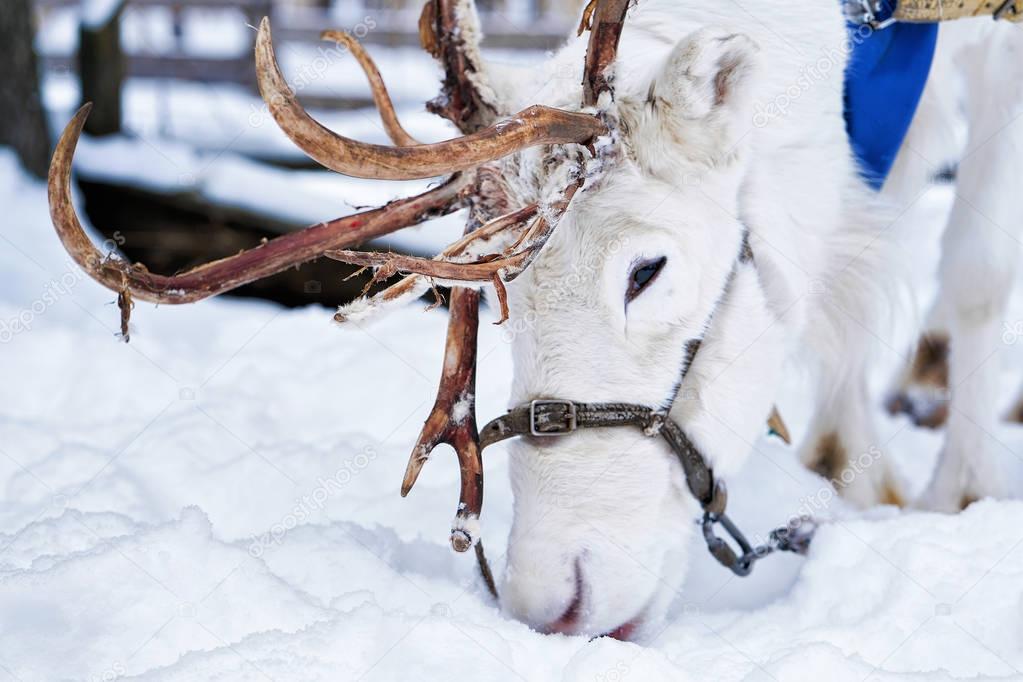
181	162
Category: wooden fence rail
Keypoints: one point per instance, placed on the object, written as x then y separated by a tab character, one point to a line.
507	24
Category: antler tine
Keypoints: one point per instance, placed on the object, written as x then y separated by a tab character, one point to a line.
440	266
607	20
506	266
536	125
391	263
413	286
544	228
453	419
229	273
381	98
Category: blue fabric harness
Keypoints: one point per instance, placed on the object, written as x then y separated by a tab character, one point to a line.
884	80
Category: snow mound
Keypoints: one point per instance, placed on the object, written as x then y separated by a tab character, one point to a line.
167	590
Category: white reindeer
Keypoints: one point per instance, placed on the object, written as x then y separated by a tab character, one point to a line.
698	172
646	259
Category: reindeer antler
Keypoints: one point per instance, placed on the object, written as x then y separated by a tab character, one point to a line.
381	98
449	30
214	278
607	19
531	127
414	286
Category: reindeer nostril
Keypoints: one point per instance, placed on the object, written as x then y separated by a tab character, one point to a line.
568	622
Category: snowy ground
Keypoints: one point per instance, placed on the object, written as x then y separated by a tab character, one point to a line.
219	500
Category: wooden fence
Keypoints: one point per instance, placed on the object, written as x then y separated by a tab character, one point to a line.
507	24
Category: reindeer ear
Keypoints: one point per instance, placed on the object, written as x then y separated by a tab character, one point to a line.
700	104
708	71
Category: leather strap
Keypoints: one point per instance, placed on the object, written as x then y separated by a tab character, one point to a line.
561	417
926	11
552	418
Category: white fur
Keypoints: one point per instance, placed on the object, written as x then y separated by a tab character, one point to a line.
730	116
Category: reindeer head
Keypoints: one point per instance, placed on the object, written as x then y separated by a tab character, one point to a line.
649	260
608	307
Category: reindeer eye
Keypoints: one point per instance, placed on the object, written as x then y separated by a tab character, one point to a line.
643	273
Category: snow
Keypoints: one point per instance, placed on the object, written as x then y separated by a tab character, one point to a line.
219	500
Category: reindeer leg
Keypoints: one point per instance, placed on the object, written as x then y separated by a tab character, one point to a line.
920	390
980	254
843	447
967	467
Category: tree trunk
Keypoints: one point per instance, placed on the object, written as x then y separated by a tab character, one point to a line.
22	118
101	69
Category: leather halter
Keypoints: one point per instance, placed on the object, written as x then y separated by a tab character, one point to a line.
553	418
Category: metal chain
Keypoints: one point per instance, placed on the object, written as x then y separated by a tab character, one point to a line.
794	537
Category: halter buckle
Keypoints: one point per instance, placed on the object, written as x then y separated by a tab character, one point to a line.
549	423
